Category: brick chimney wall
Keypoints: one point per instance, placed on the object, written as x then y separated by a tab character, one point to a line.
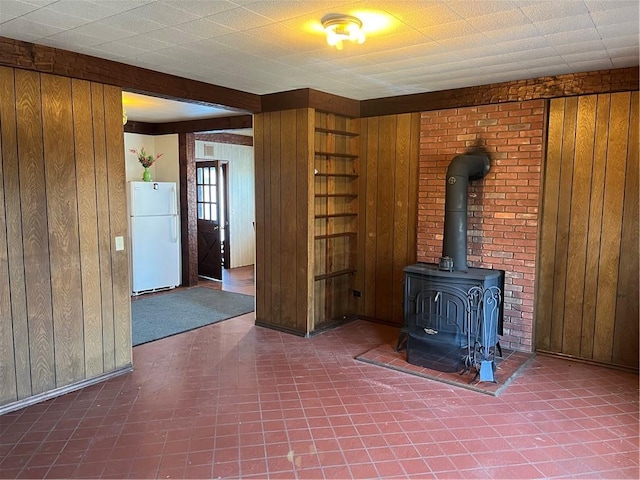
503	207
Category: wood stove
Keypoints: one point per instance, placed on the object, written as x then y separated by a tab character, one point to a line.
441	313
446	325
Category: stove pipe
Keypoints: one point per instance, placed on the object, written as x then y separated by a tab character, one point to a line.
463	168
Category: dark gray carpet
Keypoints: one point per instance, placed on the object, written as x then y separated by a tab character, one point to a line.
163	315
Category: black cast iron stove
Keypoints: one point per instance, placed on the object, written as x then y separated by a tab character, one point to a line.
444	315
453	313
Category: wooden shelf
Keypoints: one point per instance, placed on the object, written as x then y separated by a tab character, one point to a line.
339	273
342	133
336	235
334	215
335	195
344	175
336	154
335	191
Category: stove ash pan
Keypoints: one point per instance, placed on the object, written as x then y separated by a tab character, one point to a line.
441	317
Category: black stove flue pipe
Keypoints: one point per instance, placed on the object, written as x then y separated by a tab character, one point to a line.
470	166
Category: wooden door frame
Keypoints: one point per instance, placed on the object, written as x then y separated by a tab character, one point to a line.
221	165
189	208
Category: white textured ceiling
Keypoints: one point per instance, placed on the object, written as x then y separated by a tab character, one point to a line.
144	108
271	46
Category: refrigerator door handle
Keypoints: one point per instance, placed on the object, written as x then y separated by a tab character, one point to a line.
174	204
175	229
132	205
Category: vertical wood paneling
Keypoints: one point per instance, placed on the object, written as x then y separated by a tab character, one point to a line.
188	209
577	245
587	305
414	159
611	226
380	241
401	212
9	391
118	223
625	341
275	284
384	219
296	247
304	215
390	151
33	201
88	227
288	219
104	229
370	154
595	225
266	206
64	292
563	220
549	225
62	214
361	227
13	218
260	227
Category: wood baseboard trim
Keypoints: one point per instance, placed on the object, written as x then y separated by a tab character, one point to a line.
56	392
571	358
280	328
389	323
318	331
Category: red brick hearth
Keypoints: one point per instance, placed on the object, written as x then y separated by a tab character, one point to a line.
503	207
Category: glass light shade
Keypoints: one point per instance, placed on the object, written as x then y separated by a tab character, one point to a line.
342	27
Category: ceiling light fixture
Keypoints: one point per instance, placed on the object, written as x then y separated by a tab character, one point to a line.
124	115
342	27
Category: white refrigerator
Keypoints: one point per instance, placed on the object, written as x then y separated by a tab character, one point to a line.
155	236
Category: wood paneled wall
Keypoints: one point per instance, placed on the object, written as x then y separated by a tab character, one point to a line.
64	289
387	212
389	153
587	304
284	197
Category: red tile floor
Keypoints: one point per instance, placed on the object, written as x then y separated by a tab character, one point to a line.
234	400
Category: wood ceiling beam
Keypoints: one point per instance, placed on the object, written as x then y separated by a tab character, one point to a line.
190	126
30	56
585	83
19	54
309	98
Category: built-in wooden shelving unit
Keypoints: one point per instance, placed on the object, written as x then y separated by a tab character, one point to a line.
336	169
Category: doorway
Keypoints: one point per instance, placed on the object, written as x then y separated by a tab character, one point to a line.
213	218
